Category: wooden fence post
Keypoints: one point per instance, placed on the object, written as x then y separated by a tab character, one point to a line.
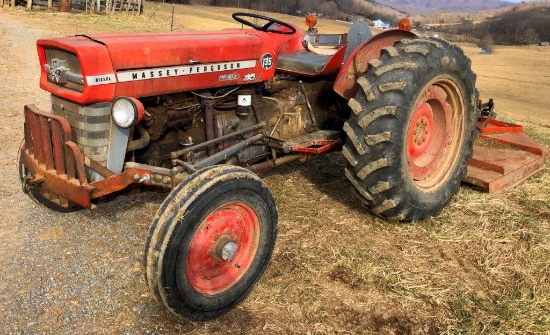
50	4
29	4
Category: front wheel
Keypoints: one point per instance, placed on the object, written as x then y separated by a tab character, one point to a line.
41	196
412	129
210	242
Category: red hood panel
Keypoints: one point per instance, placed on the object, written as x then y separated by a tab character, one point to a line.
148	64
136	51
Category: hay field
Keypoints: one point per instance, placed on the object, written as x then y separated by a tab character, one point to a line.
518	78
482	267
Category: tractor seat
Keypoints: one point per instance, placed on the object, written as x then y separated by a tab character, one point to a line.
322	56
321	49
324	53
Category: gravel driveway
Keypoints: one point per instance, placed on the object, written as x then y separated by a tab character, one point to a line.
67	273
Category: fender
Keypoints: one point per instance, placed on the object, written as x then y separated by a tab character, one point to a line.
346	81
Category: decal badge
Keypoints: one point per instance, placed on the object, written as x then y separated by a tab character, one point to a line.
249	77
267	61
101	80
176	71
58	70
227	77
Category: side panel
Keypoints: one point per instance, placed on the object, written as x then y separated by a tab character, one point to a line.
345	84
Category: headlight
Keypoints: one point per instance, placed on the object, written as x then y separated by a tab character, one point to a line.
127	112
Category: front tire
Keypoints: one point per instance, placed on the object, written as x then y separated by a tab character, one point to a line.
412	129
40	196
210	242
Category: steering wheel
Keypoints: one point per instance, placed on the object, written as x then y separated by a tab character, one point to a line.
288	29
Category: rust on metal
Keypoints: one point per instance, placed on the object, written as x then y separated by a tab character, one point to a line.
357	63
504	156
117	182
50	181
57	165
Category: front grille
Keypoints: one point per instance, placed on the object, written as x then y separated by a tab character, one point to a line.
90	126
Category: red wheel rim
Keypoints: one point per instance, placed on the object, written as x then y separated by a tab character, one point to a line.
435	133
233	224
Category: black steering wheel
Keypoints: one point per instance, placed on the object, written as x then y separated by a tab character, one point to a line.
288	29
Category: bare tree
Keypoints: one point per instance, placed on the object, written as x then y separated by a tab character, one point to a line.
529	36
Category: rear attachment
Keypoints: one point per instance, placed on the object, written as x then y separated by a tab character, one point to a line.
504	156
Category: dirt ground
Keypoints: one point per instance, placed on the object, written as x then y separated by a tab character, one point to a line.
480	268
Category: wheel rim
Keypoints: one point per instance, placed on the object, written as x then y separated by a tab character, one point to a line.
223	248
435	133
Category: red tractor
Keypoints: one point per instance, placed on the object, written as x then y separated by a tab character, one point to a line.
198	112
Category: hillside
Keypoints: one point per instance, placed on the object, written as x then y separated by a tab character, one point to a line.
433	6
525	24
334	9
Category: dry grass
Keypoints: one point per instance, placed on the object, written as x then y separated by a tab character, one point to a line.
482	267
517	78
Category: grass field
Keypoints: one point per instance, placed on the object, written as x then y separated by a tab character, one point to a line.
482	267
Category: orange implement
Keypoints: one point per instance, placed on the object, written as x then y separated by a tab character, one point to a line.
504	156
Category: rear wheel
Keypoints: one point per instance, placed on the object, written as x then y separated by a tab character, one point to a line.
411	132
210	242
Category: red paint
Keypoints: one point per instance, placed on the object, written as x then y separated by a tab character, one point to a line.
109	54
346	81
319	147
421	131
428	132
94	60
494	126
504	159
206	271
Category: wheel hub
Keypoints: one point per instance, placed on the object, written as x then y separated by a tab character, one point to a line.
429	133
226	248
223	248
421	131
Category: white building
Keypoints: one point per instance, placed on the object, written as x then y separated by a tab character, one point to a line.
380	24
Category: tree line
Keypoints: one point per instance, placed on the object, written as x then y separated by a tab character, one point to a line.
517	27
334	9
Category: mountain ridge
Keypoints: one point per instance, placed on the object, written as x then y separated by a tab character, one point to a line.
434	6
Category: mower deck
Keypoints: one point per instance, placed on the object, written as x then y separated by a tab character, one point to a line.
504	156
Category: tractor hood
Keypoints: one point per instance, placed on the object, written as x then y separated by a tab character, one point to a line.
150	50
96	68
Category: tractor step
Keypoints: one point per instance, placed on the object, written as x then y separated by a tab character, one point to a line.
313	143
504	156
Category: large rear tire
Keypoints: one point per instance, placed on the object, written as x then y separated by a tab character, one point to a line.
412	129
210	242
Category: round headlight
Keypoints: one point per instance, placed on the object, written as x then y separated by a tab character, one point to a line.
125	112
